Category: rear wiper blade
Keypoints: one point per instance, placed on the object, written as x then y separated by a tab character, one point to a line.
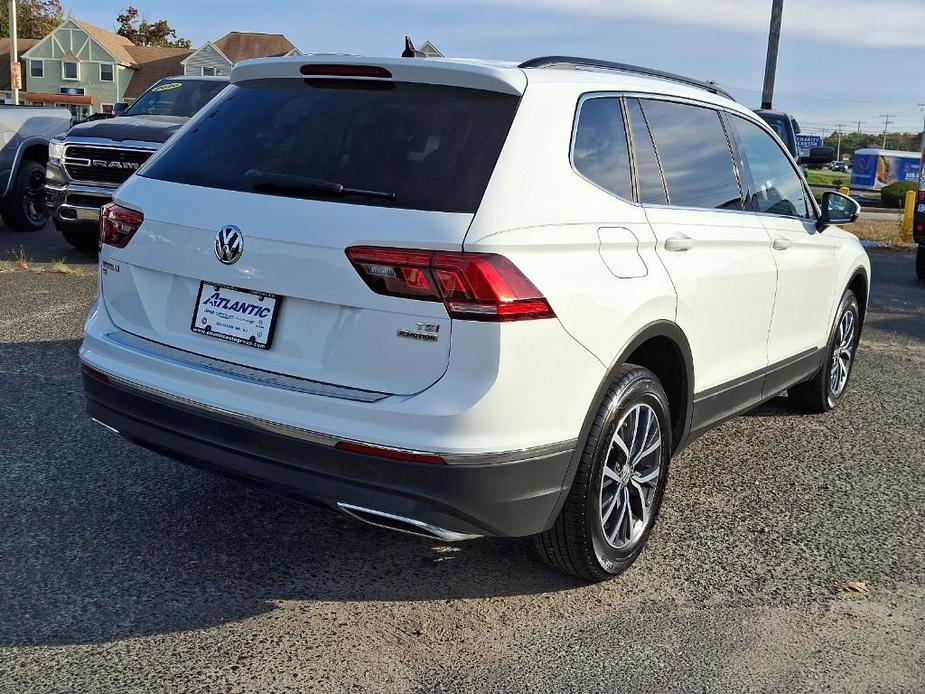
303	184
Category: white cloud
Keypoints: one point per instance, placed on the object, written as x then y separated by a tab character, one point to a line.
883	23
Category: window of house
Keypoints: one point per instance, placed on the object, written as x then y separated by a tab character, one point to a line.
107	108
694	154
208	71
776	186
106	72
648	174
599	151
36	68
69	71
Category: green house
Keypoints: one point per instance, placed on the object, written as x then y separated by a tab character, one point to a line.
80	66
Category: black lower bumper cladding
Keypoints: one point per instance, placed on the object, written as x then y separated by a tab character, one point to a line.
501	499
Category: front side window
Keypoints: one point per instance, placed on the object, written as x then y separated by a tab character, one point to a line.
69	71
599	152
392	144
777	189
106	72
694	154
36	68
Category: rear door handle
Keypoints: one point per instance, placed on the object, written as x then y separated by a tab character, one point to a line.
677	244
781	244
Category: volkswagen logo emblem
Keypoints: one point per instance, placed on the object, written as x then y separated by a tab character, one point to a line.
229	244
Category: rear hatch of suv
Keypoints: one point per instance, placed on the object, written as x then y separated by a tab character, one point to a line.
249	212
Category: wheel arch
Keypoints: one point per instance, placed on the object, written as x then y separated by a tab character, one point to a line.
860	285
648	345
32	149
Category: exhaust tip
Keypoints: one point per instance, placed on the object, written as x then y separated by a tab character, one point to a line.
401	524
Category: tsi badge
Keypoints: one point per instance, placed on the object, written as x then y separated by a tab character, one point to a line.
229	244
425	332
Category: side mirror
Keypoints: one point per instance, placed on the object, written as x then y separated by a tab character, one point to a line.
819	155
837	209
119	108
796	126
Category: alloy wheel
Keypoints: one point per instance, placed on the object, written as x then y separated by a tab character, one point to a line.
630	476
842	353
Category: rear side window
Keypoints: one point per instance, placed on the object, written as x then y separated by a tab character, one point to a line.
599	152
651	185
694	154
777	189
416	146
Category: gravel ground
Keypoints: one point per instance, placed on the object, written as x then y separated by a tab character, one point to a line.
121	571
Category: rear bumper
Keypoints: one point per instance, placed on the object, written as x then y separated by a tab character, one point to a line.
513	498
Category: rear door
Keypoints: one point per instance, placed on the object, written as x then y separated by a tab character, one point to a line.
417	158
805	258
716	253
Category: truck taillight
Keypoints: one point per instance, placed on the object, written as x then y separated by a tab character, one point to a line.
118	224
472	286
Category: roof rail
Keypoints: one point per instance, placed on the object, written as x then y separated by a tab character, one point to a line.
551	60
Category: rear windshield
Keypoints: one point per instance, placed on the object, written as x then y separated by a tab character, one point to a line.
416	146
175	98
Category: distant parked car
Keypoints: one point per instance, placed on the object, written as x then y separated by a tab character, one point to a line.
97	156
839	166
26	131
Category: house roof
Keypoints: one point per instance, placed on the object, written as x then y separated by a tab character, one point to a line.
243	45
22	46
117	46
154	63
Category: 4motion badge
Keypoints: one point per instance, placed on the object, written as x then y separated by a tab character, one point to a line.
424	332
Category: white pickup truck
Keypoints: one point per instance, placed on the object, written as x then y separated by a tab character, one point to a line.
25	132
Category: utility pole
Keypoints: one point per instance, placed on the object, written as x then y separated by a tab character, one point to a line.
770	66
15	69
887	117
838	132
859	125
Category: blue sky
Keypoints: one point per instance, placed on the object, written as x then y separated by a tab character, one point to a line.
840	62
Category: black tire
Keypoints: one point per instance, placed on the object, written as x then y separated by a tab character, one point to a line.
576	543
920	262
24	208
819	394
83	237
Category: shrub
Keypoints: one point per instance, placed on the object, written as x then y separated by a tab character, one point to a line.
894	195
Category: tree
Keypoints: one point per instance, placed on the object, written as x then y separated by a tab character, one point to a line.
141	32
34	18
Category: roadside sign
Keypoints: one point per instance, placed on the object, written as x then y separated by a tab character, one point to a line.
15	75
806	142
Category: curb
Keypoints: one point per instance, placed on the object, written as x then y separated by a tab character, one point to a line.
895	246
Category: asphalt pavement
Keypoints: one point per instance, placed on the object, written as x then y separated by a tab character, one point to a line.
122	571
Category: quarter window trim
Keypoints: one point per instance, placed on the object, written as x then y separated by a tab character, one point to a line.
629	146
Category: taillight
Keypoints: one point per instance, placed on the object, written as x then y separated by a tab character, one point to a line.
472	286
118	224
922	195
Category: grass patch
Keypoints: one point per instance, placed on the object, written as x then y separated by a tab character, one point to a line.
824	177
20	259
63	268
877	230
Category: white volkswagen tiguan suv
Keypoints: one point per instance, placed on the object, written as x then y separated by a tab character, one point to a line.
464	298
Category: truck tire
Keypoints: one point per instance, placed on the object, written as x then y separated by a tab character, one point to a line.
83	237
24	208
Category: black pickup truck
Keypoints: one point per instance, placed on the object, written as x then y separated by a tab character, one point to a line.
86	165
